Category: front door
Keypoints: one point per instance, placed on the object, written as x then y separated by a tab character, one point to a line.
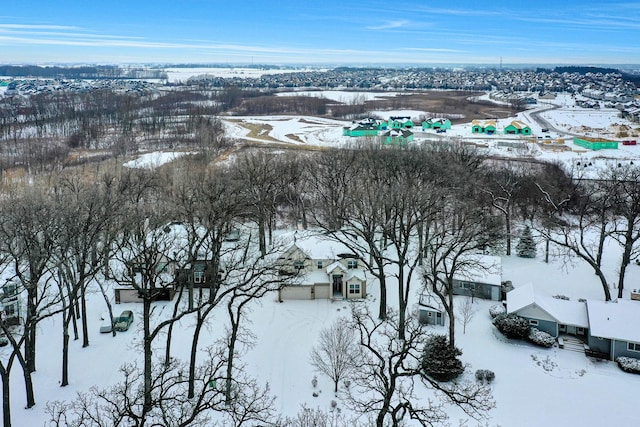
337	284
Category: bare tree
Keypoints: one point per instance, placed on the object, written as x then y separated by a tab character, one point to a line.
466	312
389	383
582	233
125	403
335	353
456	240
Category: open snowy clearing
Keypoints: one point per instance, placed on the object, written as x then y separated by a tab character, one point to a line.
533	386
154	160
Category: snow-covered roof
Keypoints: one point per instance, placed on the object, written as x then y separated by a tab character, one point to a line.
357	273
335	265
317	246
613	320
563	311
482	269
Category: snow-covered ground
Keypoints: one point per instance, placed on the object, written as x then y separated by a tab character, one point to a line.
154	160
533	386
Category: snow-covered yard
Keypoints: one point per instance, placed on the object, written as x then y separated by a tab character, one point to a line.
533	386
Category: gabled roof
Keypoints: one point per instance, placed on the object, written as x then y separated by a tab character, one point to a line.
335	265
482	269
317	247
357	273
563	311
615	320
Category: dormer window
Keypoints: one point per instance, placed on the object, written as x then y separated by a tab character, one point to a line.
352	263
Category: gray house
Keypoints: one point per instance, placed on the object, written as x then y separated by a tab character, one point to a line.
430	311
551	315
614	330
483	278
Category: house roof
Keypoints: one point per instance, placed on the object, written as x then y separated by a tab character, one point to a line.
318	247
613	320
335	265
482	269
519	125
357	273
563	311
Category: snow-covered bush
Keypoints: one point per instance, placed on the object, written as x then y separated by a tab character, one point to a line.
485	375
495	310
540	338
629	364
562	297
512	325
440	361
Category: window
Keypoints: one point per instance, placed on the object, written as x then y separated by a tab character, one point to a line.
319	265
354	288
632	346
198	276
352	263
9	289
10	310
533	322
298	265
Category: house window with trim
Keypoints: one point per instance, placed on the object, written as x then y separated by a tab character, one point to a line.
533	322
198	276
298	265
632	346
319	265
352	263
354	288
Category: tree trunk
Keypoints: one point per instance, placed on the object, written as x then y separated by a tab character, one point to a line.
30	326
230	356
146	312
626	256
85	327
192	358
6	401
507	220
261	237
402	303
65	358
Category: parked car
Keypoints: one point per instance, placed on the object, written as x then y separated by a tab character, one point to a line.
122	322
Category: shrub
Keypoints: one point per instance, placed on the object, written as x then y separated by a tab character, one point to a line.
562	297
629	364
485	375
495	310
512	326
540	338
440	361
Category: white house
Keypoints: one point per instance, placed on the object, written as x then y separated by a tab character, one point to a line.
327	269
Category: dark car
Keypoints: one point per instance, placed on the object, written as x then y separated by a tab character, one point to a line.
122	322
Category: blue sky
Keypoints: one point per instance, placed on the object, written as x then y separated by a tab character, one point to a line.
328	32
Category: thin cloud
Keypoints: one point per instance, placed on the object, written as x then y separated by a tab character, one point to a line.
400	23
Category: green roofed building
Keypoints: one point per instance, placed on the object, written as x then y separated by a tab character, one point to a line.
517	128
595	143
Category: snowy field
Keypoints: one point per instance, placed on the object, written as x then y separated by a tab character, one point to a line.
533	386
154	160
567	118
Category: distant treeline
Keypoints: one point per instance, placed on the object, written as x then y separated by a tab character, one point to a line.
84	72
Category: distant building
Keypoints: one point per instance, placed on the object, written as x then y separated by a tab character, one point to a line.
595	143
488	127
436	124
397	137
517	128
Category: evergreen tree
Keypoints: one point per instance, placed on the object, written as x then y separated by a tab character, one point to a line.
440	360
526	247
